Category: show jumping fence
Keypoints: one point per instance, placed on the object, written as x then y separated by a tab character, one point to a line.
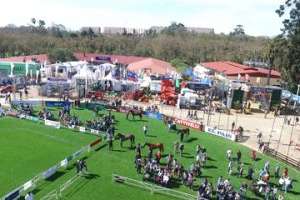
153	188
58	193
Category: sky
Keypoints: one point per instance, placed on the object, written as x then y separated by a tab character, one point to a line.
257	16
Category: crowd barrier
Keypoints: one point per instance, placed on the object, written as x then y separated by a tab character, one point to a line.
63	164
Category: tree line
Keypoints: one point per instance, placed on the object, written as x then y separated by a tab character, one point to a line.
173	44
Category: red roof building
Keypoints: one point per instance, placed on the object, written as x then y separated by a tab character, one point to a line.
152	66
232	70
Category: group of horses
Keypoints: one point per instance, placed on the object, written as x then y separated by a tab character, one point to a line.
184	132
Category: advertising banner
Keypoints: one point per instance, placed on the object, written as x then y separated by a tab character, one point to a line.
49	172
82	129
95	132
57	103
13	195
27	185
188	123
64	163
221	133
52	123
153	115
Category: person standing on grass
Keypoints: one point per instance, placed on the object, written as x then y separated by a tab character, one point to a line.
78	167
138	149
253	155
84	165
145	129
229	153
110	142
277	171
239	156
176	147
229	168
181	148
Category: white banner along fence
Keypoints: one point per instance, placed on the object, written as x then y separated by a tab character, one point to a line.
33	183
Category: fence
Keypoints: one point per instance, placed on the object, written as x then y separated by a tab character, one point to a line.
282	157
153	188
32	184
58	193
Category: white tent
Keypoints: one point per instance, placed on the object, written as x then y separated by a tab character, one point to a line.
146	81
200	71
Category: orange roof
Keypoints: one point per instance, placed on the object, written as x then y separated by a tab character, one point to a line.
41	58
153	65
233	69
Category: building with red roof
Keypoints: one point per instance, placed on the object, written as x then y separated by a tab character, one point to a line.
152	66
233	71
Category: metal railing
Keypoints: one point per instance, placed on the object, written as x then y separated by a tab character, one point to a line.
283	157
153	188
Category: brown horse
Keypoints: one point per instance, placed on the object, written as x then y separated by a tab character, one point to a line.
135	112
159	146
123	138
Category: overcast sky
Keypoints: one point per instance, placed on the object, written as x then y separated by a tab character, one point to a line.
257	16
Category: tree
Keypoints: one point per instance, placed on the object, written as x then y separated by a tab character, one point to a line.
238	31
179	64
42	23
61	55
33	21
174	28
286	46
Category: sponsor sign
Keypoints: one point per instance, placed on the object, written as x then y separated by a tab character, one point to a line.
95	132
13	195
27	185
57	103
27	102
49	172
52	123
187	123
221	133
82	129
153	115
22	116
64	163
77	153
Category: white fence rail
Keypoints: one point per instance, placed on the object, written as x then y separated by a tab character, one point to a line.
153	188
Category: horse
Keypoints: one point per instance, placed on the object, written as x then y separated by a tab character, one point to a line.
159	146
123	138
183	132
135	112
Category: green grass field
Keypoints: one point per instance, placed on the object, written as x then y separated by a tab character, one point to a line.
28	148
